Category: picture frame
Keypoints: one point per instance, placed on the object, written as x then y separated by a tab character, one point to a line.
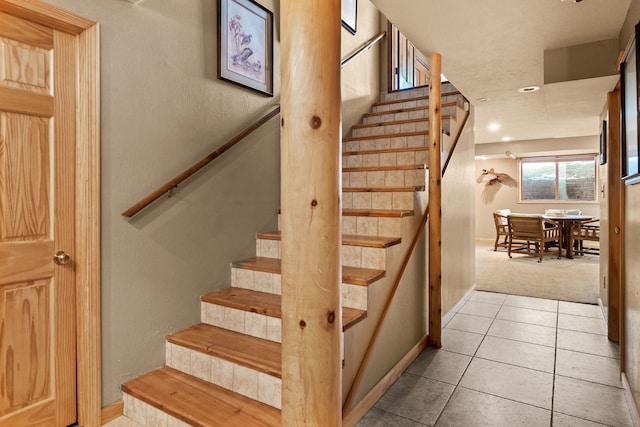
603	143
629	114
245	45
350	15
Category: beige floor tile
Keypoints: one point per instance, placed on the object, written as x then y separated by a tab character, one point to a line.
480	309
593	402
518	353
562	420
470	323
440	365
587	310
592	325
511	382
528	315
121	422
416	398
488	297
588	367
469	408
460	341
379	418
529	302
525	332
587	343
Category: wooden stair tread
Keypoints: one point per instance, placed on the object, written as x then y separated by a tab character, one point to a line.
246	350
350	275
349	239
397	122
197	402
416	98
406	110
386	168
383	136
386	150
383	189
385	213
268	304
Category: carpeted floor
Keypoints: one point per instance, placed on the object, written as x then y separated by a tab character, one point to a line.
562	279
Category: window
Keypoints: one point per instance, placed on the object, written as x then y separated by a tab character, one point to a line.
561	178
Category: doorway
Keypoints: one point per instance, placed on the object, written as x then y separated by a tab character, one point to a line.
49	217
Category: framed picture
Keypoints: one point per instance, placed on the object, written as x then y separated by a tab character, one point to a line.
629	116
245	45
603	143
349	15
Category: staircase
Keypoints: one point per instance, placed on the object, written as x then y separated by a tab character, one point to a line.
226	370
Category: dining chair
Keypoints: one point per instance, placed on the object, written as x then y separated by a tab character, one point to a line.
500	219
585	231
530	234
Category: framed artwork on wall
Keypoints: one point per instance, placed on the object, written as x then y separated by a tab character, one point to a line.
603	143
629	116
350	15
245	45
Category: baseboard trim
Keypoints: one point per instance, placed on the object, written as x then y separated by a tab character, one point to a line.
447	317
367	402
633	409
111	412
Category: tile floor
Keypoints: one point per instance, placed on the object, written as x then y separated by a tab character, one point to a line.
511	361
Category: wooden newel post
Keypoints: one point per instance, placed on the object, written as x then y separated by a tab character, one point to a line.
311	212
435	204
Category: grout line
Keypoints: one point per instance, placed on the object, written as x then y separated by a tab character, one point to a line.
555	360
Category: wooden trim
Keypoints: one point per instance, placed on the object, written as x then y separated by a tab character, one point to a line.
23	102
47	15
362	407
383	136
631	402
417	98
88	230
435	207
170	185
111	412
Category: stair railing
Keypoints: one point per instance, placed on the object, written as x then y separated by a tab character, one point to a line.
396	282
171	185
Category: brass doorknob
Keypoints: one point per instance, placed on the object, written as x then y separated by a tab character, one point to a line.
61	258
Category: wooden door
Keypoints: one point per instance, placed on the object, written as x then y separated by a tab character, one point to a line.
407	68
37	179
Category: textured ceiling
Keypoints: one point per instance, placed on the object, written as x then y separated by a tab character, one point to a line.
490	48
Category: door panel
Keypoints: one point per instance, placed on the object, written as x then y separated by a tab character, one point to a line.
37	297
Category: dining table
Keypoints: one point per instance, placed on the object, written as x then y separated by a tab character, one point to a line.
566	221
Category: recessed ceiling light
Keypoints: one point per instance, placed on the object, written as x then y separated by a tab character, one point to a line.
528	89
570	1
507	138
482	99
493	126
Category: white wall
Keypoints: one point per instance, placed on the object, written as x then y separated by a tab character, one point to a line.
162	109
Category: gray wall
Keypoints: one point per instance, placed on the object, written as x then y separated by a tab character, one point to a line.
163	108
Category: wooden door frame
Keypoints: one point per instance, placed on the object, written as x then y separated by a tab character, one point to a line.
87	185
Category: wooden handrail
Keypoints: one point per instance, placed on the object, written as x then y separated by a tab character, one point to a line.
396	283
362	48
170	185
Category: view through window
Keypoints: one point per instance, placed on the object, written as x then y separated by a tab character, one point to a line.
562	178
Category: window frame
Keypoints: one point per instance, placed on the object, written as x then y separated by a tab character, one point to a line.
593	157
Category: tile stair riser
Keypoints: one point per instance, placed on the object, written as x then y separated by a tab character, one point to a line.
386	143
402	200
386	159
372	226
352	256
404	94
407	115
396	128
394	178
146	415
263	326
255	280
240	379
412	103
